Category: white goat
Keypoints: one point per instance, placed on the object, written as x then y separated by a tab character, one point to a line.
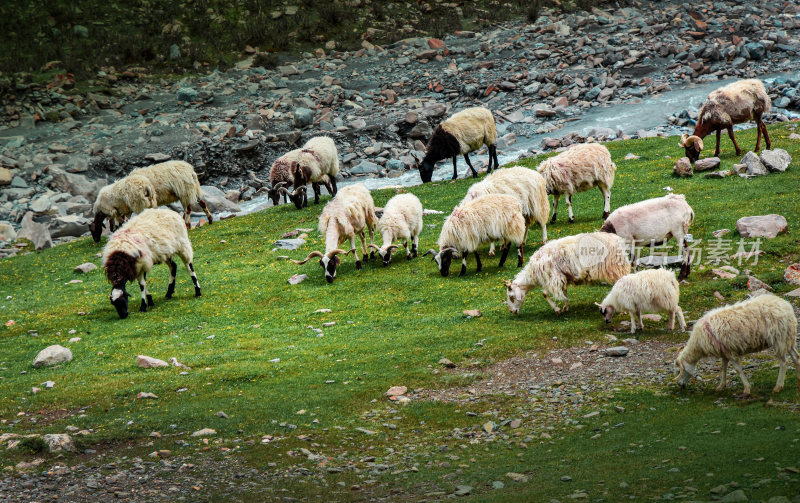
401	220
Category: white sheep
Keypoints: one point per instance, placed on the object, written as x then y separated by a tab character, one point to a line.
729	332
117	201
317	162
738	102
401	221
176	181
495	217
654	221
350	212
152	237
462	133
578	169
650	291
526	185
581	258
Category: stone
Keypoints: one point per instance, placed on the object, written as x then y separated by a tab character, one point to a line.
617	351
395	165
205	432
754	284
68	225
147	394
287	70
517	477
762	226
776	159
80	31
396	391
35	232
706	164
421	130
736	496
7	232
755	50
296	279
187	95
718	174
473	312
447	363
792	274
683	167
365	167
303	117
85	267
290	244
52	355
147	362
58	442
489	426
516	423
754	165
5	176
463	490
216	200
174	52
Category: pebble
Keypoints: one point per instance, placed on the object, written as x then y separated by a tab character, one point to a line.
147	362
617	351
205	432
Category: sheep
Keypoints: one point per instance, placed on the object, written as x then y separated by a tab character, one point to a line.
401	220
349	213
152	237
462	133
281	178
526	185
737	103
176	181
654	221
494	217
117	201
651	290
580	258
728	332
577	169
317	162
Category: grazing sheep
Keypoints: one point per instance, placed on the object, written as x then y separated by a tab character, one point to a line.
349	213
401	220
317	162
577	169
746	327
462	133
176	181
736	103
281	178
526	185
117	201
651	291
494	217
581	258
654	221
152	237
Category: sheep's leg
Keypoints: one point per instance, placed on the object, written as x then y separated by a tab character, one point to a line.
493	155
205	210
491	249
305	199
606	201
723	375
372	241
187	217
504	253
463	264
455	172
552	304
333	184
355	253
745	382
569	208
555	208
315	188
478	261
147	299
735	145
173	271
415	246
766	134
781	375
796	359
544	232
716	150
328	186
758	137
641	325
681	321
474	173
671	324
521	255
363	238
190	268
633	322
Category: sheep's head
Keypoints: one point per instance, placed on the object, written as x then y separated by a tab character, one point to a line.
298	196
693	145
684	370
385	253
120	268
443	259
119	299
606	311
96	227
515	296
328	261
274	192
426	170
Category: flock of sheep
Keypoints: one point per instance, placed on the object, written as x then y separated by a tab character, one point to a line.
500	208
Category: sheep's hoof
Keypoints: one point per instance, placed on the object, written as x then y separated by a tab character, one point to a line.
553	220
358	265
143	307
491	254
520	262
720	388
746	393
409	256
150	302
197	292
572	220
777	389
371	255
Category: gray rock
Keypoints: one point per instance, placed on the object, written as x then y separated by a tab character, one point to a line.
683	167
58	442
755	50
395	165
736	496
19	183
290	244
296	279
42	205
463	490
68	225
37	233
85	267
617	351
80	31
706	164
75	184
7	232
718	174
776	159
421	130
52	355
187	95
365	167
147	362
754	165
762	226
303	117
216	200
174	52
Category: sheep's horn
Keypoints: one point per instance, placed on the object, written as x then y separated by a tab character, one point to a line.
684	138
310	255
698	142
339	251
372	245
302	188
598	304
430	251
282	190
392	247
279	185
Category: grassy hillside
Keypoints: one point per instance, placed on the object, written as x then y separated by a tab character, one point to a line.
392	326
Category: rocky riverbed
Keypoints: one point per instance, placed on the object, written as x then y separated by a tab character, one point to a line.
380	104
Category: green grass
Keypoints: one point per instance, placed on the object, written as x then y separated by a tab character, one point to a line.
392	326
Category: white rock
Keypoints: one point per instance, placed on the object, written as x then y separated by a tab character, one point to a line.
85	267
52	355
205	432
147	362
57	442
396	391
761	226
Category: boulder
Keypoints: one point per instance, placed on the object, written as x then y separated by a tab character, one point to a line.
303	117
617	351
37	233
147	362
706	164
290	244
754	165
57	442
5	176
683	167
421	130
216	200
7	232
364	167
762	226
187	95
395	165
75	184
69	225
792	274
52	355
776	159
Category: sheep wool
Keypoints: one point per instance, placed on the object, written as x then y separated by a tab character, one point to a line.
649	291
749	326
580	258
316	162
175	181
401	221
152	237
578	169
117	201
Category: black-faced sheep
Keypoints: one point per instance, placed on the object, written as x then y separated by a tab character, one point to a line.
581	258
654	221
401	221
649	291
461	134
152	237
350	212
117	201
578	169
317	162
176	181
495	217
281	179
738	102
729	332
